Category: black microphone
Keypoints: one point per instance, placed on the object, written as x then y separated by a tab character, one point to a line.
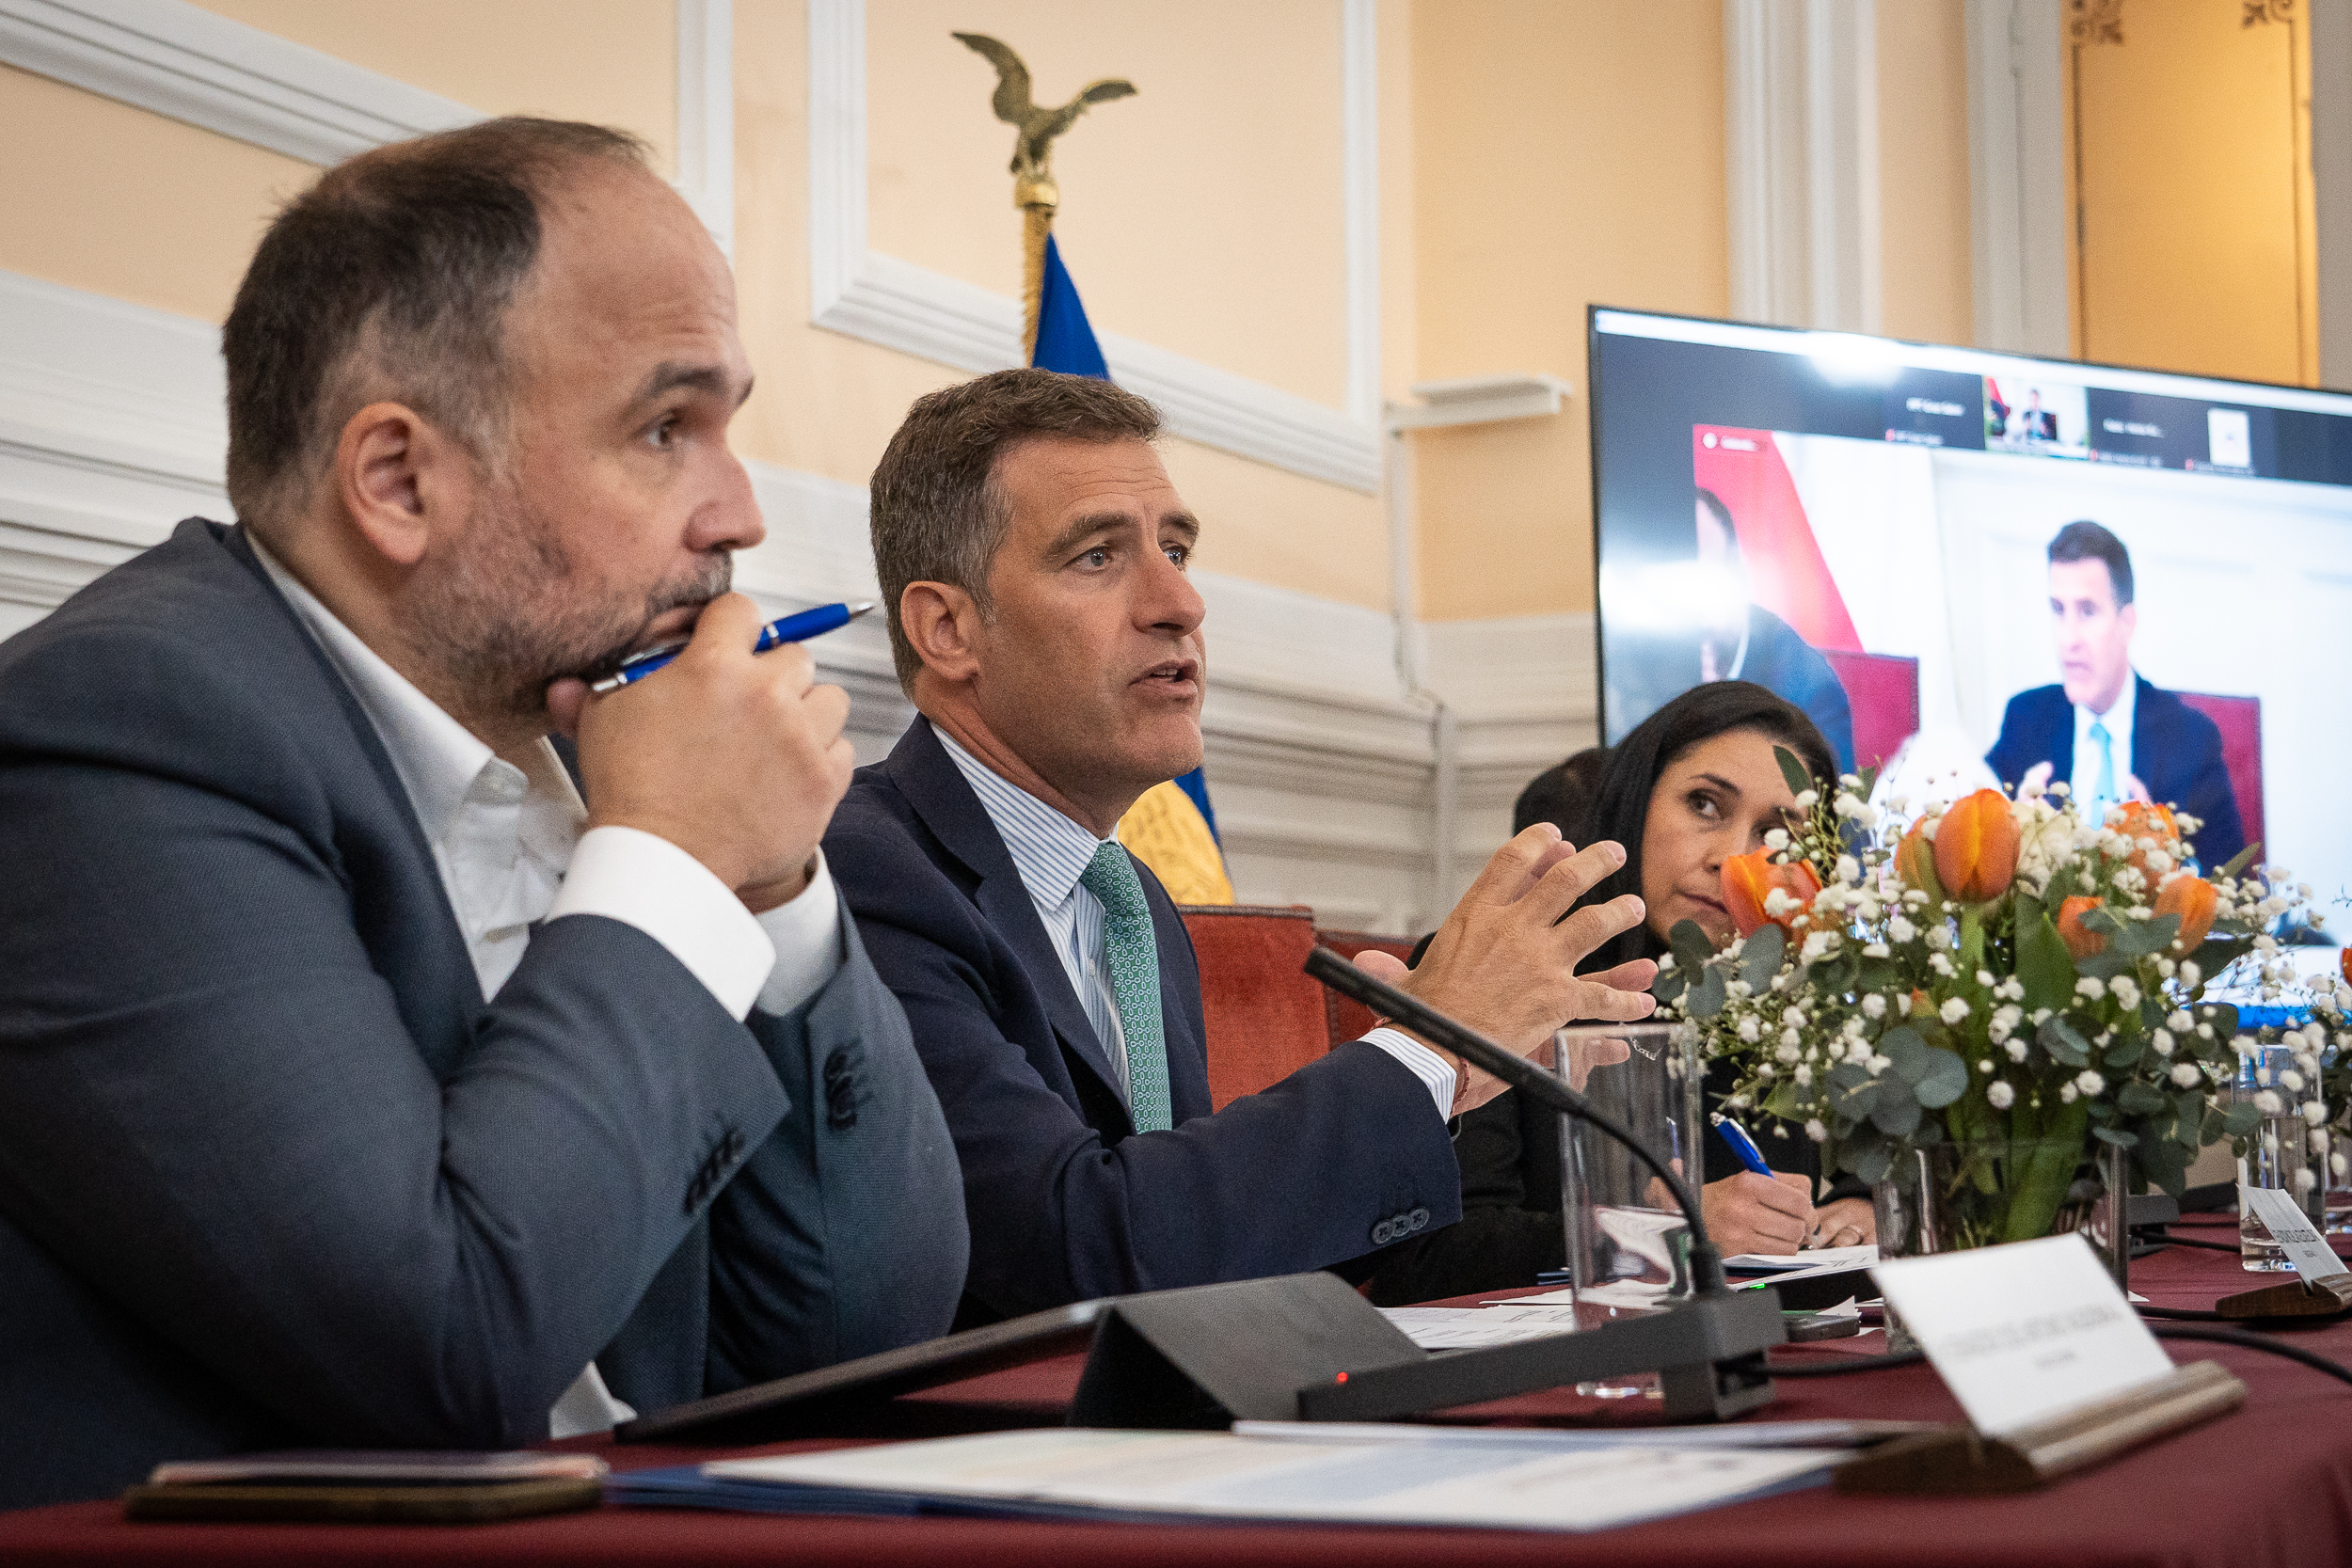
1707	1264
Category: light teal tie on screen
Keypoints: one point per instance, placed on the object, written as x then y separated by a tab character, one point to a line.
2103	794
1133	957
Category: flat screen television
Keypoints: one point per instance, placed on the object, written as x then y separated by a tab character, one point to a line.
1958	561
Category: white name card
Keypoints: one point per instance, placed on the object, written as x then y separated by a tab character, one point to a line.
2305	1247
2023	1332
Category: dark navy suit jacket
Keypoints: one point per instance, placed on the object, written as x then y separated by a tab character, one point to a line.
2176	752
1066	1201
273	1173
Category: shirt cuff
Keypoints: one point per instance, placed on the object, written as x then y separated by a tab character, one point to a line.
1421	1062
807	936
646	881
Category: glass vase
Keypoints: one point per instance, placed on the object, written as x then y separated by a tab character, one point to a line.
1951	1197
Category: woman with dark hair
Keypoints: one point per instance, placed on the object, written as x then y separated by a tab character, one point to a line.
1695	784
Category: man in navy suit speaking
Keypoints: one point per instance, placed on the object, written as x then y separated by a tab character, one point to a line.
2104	729
1033	553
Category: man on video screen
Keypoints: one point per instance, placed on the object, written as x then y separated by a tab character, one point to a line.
2104	729
1744	642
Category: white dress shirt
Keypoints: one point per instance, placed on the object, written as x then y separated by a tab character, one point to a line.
510	846
2118	720
1051	852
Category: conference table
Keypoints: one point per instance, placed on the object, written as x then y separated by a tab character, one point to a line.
2268	1483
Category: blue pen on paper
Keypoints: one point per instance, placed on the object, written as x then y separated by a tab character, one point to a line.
775	634
1741	1145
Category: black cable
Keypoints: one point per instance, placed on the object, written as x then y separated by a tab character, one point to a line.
2184	1241
1845	1364
1386	1001
2251	1341
2182	1314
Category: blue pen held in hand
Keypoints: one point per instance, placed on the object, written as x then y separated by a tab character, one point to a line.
775	634
1741	1145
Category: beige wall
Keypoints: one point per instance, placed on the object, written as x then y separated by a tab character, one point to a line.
1565	156
1535	157
1925	289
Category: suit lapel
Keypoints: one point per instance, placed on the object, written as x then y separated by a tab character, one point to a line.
411	937
928	780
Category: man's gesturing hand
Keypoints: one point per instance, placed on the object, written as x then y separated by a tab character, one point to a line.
1505	962
737	758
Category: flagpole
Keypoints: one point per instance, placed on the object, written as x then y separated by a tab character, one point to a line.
1038	199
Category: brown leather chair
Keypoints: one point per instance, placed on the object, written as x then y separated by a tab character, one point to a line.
1344	1018
1265	1016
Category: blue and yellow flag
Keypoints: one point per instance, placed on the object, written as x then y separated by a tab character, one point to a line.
1171	828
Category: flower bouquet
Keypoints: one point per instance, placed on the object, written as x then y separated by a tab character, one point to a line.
1997	1015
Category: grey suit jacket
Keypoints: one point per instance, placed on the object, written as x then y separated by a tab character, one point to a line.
272	1172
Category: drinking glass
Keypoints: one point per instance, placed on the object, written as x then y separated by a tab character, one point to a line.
2278	1154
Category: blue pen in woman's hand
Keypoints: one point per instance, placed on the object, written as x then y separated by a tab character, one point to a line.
1741	1145
775	634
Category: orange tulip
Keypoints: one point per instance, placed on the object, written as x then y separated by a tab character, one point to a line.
2081	940
2193	900
1915	858
1975	847
1748	884
2137	819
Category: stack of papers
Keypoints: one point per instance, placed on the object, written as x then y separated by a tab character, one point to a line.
1821	1259
1464	1327
1383	1474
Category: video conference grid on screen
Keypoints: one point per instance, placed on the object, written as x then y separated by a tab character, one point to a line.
1969	567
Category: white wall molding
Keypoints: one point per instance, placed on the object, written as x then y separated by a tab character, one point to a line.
1801	122
897	305
2017	175
186	63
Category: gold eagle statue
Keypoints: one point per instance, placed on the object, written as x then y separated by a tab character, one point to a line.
1033	150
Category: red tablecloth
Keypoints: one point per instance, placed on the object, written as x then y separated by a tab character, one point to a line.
2271	1483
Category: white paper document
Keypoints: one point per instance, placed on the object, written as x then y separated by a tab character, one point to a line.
1532	1485
1819	1258
1464	1327
2022	1332
1721	1435
2305	1247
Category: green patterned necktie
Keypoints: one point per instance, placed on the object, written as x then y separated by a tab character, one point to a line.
1133	957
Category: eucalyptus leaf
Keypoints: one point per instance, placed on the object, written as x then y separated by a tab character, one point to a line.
2105	966
1792	770
2139	1099
1897	1117
2240	1119
1669	985
2126	1052
1873	1163
2143	937
2103	920
1903	1048
2238	865
1760	958
1692	948
1944	1080
2063	1041
2115	1136
2191	1119
2223	1017
1709	996
1869	781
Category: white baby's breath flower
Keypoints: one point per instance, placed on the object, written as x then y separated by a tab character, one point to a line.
1942	965
1815	1131
1816	943
2000	1096
2124	990
1848	869
2068	1094
2017	1050
2291	1079
1804	1075
2338	1164
1750	1030
2088	1081
1939	938
1874	1005
2091	986
2161	1042
2190	973
1776	839
2186	1075
1953	1010
1788	1050
1808	798
1877	1064
1777	902
2304	1181
2314	1113
1901	930
1792	1015
2178	1021
2268	1103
